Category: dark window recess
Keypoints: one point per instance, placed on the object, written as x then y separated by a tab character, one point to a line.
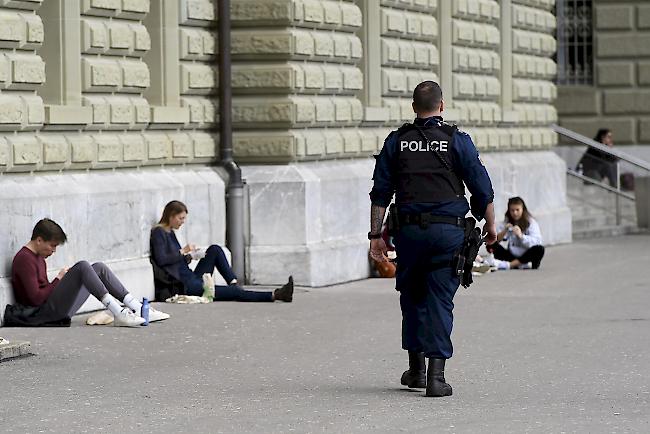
575	47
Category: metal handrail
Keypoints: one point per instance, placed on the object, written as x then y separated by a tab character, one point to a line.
603	148
600	184
621	156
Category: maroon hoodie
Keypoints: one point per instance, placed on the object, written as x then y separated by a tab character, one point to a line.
29	278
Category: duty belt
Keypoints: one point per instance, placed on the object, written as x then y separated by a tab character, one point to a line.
426	219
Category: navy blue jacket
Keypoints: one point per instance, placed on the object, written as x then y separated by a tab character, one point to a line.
165	251
466	164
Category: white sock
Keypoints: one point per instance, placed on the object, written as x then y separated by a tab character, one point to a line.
111	304
132	303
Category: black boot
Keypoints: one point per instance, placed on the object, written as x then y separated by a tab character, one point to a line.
415	377
436	384
285	293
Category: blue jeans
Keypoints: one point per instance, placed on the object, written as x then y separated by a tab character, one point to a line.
214	257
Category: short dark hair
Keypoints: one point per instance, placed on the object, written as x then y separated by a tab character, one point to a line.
49	230
427	96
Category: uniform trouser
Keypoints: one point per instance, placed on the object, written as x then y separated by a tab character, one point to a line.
78	284
215	258
427	292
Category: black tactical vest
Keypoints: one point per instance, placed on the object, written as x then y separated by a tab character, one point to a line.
421	176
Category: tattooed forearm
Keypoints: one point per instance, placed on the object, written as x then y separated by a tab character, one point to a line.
376	218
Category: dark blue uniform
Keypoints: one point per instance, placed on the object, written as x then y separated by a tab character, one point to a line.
427	292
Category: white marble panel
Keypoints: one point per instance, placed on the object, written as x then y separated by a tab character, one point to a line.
108	215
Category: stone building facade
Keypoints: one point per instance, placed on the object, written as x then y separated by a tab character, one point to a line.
108	110
618	96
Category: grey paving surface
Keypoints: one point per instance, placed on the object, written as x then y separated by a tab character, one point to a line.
562	349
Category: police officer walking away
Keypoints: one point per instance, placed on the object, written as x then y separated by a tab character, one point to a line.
425	164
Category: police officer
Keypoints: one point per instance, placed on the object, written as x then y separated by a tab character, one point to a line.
425	164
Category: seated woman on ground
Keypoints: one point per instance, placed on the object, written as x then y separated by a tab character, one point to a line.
59	299
521	231
168	256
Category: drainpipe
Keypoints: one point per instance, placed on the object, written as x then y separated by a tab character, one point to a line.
235	188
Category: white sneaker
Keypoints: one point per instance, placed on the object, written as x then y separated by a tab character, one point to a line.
126	318
496	263
526	266
156	315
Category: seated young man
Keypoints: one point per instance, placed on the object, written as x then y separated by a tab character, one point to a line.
63	296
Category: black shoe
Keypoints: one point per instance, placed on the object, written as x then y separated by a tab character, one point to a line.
415	377
436	384
285	293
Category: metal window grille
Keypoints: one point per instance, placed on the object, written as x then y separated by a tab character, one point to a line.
574	57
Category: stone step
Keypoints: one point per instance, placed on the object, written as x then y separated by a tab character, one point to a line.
604	231
14	349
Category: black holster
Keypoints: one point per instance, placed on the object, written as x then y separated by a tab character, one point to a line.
464	260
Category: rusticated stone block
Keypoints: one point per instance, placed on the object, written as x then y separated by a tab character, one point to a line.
271	110
120	36
204	145
100	108
627	101
200	12
12	29
4	152
270	42
614	17
198	78
122	111
264	144
142	110
351	14
4	69
55	148
268	11
109	148
644	73
159	146
101	73
100	7
26	150
84	149
352	141
616	74
181	145
623	45
135	74
27	69
334	142
315	143
276	77
139	6
11	110
643	16
644	130
35	31
576	100
133	147
142	38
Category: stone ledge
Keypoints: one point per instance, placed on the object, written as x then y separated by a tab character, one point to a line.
15	349
67	115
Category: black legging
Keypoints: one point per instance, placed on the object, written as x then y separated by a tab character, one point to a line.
534	254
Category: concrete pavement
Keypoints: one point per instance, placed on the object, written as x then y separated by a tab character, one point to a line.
562	349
